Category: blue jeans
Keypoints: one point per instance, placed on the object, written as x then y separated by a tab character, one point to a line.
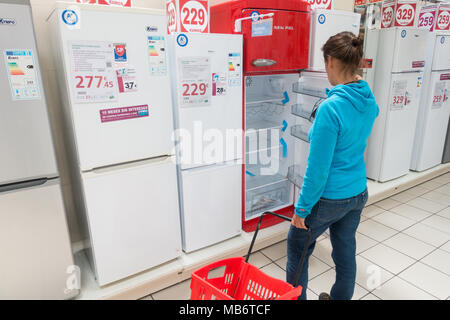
342	217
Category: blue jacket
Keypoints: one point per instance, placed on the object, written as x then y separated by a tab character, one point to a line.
338	139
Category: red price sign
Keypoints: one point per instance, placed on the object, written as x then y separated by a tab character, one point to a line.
88	82
321	4
171	10
399	100
194	15
120	3
87	1
194	89
405	14
443	18
387	16
360	2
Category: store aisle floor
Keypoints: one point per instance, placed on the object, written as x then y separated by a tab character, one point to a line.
403	250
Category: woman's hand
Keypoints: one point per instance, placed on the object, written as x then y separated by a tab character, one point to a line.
298	222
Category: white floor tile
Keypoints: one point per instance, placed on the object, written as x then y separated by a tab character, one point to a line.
180	291
446	247
437	197
444	179
282	263
147	298
325	281
274	271
259	260
427	234
363	243
369	275
410	246
410	212
403	196
399	289
439	260
445	189
438	223
387	204
428	279
444	213
426	205
370	297
418	190
311	295
394	221
316	267
371	211
276	251
375	230
432	184
388	258
322	251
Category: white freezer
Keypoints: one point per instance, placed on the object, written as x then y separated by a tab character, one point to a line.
34	244
207	121
136	234
434	105
211	204
100	143
327	23
26	145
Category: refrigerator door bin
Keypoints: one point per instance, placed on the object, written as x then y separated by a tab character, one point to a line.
269	197
295	175
300	131
303	111
302	88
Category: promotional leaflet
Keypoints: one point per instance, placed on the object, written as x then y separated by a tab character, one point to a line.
22	74
93	76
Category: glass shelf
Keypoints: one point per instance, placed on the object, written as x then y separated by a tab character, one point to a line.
300	132
295	176
300	88
302	111
261	124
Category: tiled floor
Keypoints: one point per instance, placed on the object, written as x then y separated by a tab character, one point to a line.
403	250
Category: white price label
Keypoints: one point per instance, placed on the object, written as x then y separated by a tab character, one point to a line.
399	96
194	16
404	15
439	94
195	82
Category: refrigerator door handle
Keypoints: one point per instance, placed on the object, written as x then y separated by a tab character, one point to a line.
22	185
263	62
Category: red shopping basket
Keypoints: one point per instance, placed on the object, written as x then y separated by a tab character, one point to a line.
243	281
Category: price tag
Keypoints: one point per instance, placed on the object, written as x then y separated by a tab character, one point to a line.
387	14
172	21
219	84
195	82
426	17
360	2
194	15
93	76
321	4
120	3
405	14
443	18
399	95
126	79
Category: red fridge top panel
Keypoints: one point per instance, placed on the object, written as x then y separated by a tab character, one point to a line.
276	39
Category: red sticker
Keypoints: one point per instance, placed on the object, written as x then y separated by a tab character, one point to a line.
445	76
418	64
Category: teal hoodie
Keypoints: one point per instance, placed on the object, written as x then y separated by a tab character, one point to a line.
338	139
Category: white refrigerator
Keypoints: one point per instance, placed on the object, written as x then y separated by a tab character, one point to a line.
434	109
35	250
118	117
207	98
397	89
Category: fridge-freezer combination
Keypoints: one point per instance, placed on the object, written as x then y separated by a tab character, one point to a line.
397	89
434	107
115	86
35	249
206	74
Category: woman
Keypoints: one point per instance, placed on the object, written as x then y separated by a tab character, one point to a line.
334	189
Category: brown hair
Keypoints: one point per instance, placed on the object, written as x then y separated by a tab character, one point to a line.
347	48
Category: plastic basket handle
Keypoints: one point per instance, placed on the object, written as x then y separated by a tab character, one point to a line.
305	248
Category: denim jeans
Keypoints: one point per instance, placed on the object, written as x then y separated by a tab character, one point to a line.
342	217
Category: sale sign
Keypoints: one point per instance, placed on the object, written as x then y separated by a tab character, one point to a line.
405	13
427	17
121	3
187	16
87	1
387	14
443	17
360	2
321	4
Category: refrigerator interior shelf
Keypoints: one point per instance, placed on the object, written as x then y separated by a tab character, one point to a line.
314	92
255	180
252	100
262	124
300	132
302	111
295	176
